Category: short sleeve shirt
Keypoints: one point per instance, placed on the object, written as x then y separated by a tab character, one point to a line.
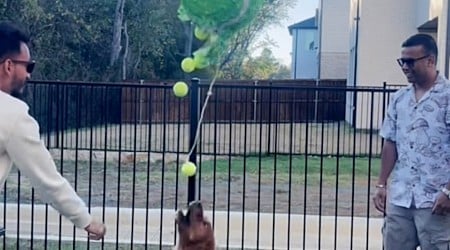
421	132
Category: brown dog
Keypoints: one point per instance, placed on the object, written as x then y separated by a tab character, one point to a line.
194	229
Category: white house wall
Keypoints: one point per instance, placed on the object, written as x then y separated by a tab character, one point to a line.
427	10
334	49
367	56
383	26
435	8
442	30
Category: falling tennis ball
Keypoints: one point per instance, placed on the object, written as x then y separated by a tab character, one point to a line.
180	89
200	34
188	65
201	58
200	61
188	169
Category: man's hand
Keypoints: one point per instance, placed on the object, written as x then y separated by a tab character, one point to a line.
96	230
380	199
441	205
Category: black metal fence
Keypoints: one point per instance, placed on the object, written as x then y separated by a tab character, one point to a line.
280	166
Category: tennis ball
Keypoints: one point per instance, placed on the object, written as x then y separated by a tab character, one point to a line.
188	169
200	34
180	89
188	65
200	61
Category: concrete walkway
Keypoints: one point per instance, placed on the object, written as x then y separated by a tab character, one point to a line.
271	235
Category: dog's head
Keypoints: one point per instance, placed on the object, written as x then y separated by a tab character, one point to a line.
194	216
193	228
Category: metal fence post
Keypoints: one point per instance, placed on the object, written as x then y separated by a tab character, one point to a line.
193	123
383	112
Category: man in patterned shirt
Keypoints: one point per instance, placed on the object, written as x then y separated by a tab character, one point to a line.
416	154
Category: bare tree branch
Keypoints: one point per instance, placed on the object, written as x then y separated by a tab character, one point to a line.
125	55
117	32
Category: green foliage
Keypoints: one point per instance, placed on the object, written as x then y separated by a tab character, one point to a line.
265	66
72	45
283	72
155	39
72	40
221	20
238	51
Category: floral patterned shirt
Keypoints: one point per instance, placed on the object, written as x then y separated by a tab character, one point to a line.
421	132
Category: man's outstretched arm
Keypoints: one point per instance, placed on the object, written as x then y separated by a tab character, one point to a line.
32	158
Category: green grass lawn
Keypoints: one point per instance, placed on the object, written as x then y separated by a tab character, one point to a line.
297	170
281	165
326	168
313	171
329	166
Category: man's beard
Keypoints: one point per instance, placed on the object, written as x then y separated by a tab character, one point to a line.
19	93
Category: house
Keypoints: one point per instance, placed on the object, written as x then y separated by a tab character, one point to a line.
329	31
333	51
304	49
374	31
377	30
376	42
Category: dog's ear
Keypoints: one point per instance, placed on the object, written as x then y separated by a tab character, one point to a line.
179	218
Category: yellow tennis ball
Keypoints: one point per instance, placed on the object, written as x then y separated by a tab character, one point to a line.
180	89
188	65
200	61
200	34
188	169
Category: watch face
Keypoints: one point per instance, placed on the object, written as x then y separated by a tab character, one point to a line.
446	191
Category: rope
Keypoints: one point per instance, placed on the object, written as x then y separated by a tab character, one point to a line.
202	113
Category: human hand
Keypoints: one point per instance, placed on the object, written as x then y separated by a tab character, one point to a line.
441	205
380	199
96	230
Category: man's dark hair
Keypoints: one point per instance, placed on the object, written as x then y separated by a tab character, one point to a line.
426	41
11	37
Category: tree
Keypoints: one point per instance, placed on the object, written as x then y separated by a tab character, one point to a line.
263	66
284	72
104	40
271	14
156	39
69	40
116	46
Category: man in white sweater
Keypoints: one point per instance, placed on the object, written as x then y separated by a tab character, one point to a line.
20	142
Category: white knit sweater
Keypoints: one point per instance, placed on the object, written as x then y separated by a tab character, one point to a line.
20	144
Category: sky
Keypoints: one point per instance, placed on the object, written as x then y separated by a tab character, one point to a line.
280	34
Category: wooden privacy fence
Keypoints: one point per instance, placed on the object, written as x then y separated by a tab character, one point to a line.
239	101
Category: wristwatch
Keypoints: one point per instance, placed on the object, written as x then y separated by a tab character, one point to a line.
446	192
